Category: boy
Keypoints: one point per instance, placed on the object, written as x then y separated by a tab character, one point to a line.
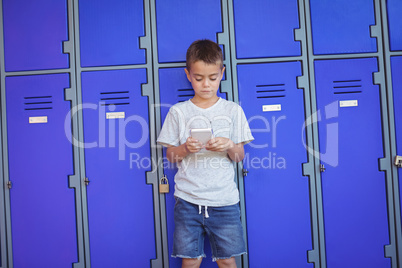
206	194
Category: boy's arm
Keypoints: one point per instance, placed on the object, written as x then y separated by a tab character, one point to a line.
221	144
236	153
177	153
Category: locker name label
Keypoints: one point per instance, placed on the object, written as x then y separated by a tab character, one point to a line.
115	115
37	119
348	103
271	108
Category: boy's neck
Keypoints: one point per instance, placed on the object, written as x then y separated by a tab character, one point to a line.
204	103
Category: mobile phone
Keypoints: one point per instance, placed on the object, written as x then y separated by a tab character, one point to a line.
201	134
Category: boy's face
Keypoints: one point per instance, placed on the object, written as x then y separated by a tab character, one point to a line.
205	79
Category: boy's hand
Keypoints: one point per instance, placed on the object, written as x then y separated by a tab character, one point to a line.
193	145
219	144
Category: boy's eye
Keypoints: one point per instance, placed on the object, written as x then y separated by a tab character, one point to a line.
213	79
198	79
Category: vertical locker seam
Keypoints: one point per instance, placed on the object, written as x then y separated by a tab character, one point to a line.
380	79
386	54
79	153
153	77
5	227
321	261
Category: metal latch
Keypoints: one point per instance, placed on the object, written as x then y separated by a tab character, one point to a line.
398	161
86	181
9	185
245	172
322	168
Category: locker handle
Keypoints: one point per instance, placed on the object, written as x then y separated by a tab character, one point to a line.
9	185
398	161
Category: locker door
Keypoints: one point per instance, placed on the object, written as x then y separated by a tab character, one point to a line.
394	9
43	222
276	193
117	157
110	32
342	26
34	32
174	87
179	23
266	28
396	65
353	188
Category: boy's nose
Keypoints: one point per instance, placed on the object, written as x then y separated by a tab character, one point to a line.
206	83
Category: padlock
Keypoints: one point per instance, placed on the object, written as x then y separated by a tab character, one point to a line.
164	185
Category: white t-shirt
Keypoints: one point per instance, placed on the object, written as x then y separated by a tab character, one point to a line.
206	178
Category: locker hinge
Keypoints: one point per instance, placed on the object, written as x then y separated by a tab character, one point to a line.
398	161
86	181
9	185
322	168
245	172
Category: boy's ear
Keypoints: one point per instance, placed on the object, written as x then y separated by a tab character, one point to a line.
223	71
188	74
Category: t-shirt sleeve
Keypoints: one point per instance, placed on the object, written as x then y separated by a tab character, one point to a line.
169	135
241	130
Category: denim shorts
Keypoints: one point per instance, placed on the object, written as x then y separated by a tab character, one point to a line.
221	224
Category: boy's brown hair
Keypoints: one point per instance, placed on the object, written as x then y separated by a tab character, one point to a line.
204	50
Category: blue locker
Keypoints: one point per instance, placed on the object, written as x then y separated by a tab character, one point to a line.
396	65
266	28
43	222
394	9
117	157
34	32
179	23
353	188
174	88
342	26
276	193
110	32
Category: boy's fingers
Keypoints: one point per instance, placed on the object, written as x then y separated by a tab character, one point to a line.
213	141
194	145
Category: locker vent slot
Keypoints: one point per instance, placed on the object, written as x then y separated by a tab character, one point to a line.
347	92
347	86
38	103
114	98
185	94
347	81
273	90
117	103
271	85
122	98
114	92
270	91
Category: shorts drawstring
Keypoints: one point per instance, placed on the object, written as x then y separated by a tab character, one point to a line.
206	210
